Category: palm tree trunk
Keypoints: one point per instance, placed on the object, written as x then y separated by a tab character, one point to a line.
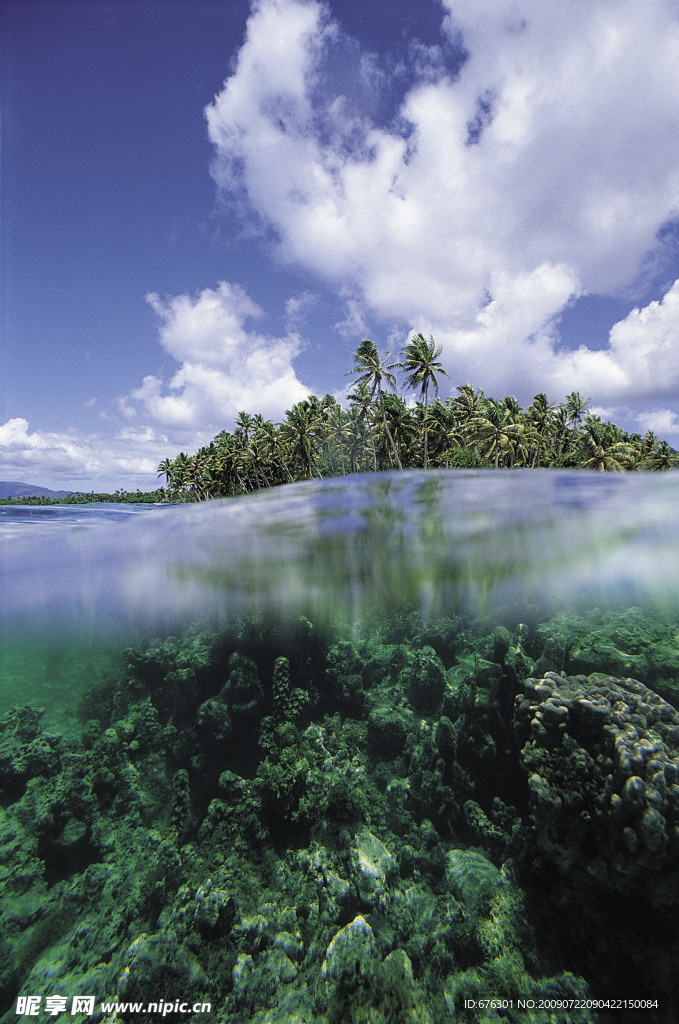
388	431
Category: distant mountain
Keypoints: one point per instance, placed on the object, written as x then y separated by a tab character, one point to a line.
15	489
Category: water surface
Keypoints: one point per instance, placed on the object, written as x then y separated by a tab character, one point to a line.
343	546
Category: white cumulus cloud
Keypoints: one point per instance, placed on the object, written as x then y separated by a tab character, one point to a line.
663	422
223	366
73	461
640	362
542	170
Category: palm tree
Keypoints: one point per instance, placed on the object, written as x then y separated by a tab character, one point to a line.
361	400
467	404
421	363
182	471
539	416
298	432
444	433
561	436
576	406
200	478
321	411
402	426
340	430
520	431
244	425
648	444
224	464
166	467
232	461
496	434
661	457
373	374
269	441
603	448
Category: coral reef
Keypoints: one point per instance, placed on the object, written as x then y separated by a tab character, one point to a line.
603	761
380	826
622	643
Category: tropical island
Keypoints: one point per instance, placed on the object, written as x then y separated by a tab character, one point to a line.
119	497
381	431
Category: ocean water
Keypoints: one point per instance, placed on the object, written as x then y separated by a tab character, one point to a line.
380	748
44	658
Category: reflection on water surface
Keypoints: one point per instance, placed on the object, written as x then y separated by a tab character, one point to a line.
341	547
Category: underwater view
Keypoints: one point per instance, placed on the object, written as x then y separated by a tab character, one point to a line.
381	748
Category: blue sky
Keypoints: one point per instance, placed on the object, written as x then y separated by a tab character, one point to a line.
206	205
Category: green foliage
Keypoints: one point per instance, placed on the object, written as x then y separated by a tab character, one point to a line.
120	497
319	439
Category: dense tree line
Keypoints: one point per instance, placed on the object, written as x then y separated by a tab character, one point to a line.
380	431
120	497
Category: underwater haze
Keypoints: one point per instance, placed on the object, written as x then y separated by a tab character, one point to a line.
380	748
435	541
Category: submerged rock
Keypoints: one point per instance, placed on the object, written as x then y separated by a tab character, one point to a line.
603	761
347	958
472	878
372	867
424	679
243	690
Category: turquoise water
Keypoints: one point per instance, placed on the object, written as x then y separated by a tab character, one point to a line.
45	658
346	750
